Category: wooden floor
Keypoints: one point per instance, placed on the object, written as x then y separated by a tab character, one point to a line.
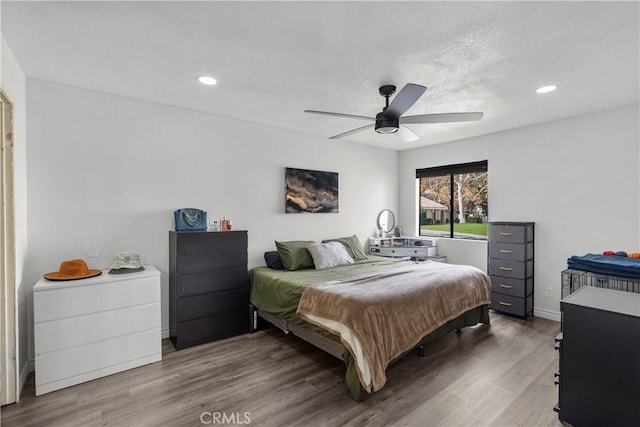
498	375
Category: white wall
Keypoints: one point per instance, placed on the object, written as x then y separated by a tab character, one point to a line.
107	172
464	252
12	81
577	178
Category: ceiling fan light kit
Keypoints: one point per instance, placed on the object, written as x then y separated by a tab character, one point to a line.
390	119
385	124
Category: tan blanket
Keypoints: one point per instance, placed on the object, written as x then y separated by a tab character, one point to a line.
381	316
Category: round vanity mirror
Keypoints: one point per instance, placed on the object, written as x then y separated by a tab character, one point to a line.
386	221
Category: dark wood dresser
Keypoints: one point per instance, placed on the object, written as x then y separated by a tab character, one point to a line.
599	375
208	286
511	267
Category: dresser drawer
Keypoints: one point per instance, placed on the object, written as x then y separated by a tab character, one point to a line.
193	332
510	304
416	252
212	304
513	287
211	281
87	361
512	233
391	252
511	251
76	331
204	261
99	294
513	269
197	242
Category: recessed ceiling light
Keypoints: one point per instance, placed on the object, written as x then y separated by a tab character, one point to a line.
207	80
546	89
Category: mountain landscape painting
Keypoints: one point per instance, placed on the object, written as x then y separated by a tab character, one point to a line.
309	191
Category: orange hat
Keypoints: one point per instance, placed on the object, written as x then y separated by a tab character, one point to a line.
72	270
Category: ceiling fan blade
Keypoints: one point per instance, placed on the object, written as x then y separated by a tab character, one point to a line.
405	99
406	134
441	118
348	116
351	132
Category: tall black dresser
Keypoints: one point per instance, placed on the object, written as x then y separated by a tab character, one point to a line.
599	375
208	286
511	267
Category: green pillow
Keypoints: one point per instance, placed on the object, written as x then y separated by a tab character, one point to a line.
294	254
352	244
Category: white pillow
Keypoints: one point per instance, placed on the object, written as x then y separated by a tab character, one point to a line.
330	254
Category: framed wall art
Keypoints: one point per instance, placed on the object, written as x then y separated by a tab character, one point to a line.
309	191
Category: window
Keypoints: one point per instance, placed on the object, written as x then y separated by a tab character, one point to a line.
454	201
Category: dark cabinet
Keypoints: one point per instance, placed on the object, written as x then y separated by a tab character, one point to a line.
599	375
510	267
208	286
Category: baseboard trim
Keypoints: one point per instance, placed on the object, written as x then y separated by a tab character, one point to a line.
547	314
165	333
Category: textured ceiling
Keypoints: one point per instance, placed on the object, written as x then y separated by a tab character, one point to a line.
275	59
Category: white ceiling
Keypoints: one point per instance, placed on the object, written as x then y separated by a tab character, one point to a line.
275	59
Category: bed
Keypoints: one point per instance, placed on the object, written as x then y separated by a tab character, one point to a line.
372	312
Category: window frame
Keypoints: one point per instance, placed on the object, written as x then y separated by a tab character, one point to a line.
450	171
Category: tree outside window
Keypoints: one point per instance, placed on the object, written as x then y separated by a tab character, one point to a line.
454	201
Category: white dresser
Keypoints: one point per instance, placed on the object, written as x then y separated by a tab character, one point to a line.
89	328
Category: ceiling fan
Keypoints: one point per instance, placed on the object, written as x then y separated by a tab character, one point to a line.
390	119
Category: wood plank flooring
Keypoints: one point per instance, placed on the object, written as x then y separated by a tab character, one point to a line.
498	375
